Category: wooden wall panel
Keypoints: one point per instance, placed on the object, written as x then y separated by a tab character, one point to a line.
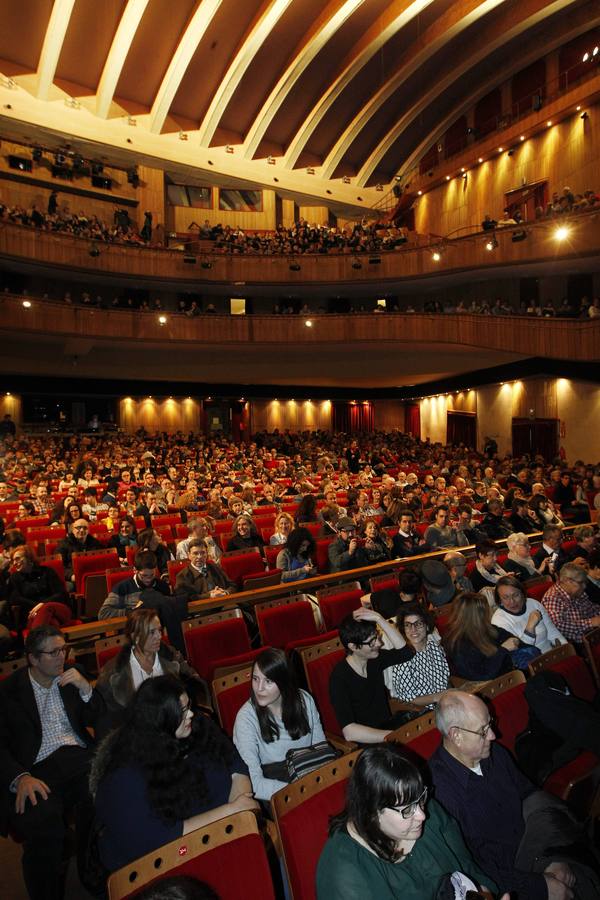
10	404
151	195
160	414
295	415
181	217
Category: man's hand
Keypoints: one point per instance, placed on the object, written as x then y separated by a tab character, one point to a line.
352	546
27	789
367	613
73	676
218	592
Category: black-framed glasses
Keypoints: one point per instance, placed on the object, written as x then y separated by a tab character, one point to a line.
482	732
409	810
371	642
58	651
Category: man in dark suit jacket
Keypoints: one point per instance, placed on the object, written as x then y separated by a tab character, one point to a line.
78	540
202	580
45	752
551	546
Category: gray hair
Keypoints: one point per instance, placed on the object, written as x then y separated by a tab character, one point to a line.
451	711
517	537
453	557
572	570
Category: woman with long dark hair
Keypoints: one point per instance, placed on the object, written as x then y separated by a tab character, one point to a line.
296	559
307	510
476	649
278	717
384	844
244	535
162	774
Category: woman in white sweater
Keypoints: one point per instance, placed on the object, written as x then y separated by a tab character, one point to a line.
278	717
524	617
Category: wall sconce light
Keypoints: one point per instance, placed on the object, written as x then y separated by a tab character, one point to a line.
346	179
310	170
183	136
491	244
229	149
271	160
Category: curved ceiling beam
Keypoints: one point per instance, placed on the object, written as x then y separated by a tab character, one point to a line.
441	32
193	34
53	43
236	71
483	89
486	44
121	44
396	16
330	21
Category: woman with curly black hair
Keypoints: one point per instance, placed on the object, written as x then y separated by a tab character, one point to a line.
296	559
162	774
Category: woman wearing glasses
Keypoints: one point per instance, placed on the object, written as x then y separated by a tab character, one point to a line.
162	774
524	617
423	678
389	842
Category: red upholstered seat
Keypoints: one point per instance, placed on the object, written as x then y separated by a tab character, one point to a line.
318	669
174	567
171	520
114	576
322	555
238	563
282	624
578	677
94	563
511	714
536	591
229	856
56	563
215	641
336	604
272	553
230	693
103	656
389	581
591	644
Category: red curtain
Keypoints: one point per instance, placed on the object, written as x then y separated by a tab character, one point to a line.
487	112
461	428
352	417
412	419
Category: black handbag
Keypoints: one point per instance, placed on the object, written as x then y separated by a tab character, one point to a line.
300	762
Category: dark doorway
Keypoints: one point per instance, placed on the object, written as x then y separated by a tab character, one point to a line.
529	291
535	436
578	287
461	428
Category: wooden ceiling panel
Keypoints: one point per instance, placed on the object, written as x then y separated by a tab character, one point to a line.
268	64
212	57
319	72
152	49
19	44
87	42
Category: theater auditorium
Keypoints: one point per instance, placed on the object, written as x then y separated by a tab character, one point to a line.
299	449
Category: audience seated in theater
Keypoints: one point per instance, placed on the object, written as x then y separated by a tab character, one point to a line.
357	688
438	584
125	536
296	559
277	718
150	539
406	542
78	540
345	552
376	546
519	518
494	524
476	649
423	678
568	604
570	508
441	534
585	538
456	563
244	535
551	548
487	570
543	512
519	559
516	833
524	617
144	589
144	655
390	840
31	585
44	767
283	525
202	579
200	528
164	773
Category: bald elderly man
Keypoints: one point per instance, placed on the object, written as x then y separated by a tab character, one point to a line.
503	816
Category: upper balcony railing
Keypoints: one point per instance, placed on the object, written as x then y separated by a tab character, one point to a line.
420	258
557	338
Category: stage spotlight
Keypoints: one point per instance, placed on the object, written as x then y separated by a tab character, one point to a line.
561	233
491	244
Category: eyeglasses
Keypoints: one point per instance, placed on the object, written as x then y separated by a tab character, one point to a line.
482	733
414	626
58	651
80	528
408	811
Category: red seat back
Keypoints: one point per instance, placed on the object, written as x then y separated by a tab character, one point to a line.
280	625
172	520
114	576
272	553
303	831
230	693
335	607
321	555
174	567
239	563
426	744
92	564
537	591
56	563
578	677
511	714
318	673
219	640
103	656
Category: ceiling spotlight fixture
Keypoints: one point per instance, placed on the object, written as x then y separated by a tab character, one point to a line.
419	193
462	168
480	159
500	149
549	123
162	320
491	244
229	149
131	121
183	136
270	160
447	178
72	103
310	170
436	256
346	179
522	138
561	233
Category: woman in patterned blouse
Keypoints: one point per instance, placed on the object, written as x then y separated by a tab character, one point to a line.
423	678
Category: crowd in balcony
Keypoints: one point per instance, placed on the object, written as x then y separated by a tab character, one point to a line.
561	204
302	237
376	497
55	220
